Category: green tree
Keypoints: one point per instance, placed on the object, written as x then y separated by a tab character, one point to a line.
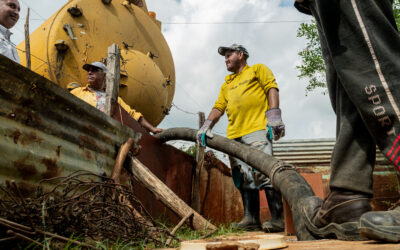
192	150
312	67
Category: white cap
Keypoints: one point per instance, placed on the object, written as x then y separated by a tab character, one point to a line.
95	64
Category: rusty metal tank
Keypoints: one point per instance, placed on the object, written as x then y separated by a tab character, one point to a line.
82	30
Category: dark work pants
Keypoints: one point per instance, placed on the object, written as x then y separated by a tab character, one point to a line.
361	49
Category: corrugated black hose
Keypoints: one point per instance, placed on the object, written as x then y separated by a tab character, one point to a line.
284	177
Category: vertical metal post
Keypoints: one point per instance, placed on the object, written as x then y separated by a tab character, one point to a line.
112	78
27	42
196	201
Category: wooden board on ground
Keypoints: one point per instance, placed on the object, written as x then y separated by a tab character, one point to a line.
292	243
252	242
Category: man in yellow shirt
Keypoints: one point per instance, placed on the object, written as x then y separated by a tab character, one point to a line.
251	100
95	95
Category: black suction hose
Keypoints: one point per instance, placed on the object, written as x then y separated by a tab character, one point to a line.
283	176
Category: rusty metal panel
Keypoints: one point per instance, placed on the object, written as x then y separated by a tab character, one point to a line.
47	132
170	165
220	200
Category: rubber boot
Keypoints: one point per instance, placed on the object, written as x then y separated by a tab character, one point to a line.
251	205
381	226
277	223
338	216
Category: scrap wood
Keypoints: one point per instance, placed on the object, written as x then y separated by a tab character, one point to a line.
209	234
178	226
116	174
119	161
181	223
27	41
166	195
196	203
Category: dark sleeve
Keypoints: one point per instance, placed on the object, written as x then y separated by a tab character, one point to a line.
303	7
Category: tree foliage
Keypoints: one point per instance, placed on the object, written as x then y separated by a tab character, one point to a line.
312	66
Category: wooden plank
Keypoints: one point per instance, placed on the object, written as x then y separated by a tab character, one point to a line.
177	227
196	203
27	42
166	195
113	77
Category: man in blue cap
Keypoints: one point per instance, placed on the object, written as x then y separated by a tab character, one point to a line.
94	94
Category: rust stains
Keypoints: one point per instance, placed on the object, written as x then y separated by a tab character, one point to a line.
51	168
15	135
24	138
88	141
30	138
26	116
90	129
87	154
26	171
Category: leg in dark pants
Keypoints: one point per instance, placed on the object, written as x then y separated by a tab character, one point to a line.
360	45
249	182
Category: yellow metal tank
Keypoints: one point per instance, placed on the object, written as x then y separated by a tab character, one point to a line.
82	30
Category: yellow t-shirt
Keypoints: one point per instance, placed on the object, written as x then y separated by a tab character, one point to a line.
244	97
89	96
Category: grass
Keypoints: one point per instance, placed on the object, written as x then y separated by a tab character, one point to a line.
185	233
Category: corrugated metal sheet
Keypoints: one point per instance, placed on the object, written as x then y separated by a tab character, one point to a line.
47	132
311	151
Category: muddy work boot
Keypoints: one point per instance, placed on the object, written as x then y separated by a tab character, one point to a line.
277	223
251	205
381	226
337	216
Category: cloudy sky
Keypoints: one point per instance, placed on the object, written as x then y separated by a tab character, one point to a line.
195	28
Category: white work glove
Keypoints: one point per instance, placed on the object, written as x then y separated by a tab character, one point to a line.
275	125
204	132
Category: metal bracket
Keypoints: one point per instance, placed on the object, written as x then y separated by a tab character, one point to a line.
69	31
279	167
75	11
165	110
151	55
